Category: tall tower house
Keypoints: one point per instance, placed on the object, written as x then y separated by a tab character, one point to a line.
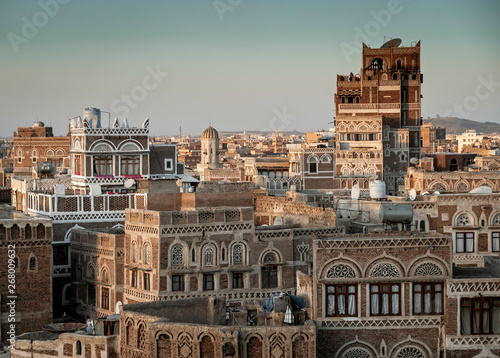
378	117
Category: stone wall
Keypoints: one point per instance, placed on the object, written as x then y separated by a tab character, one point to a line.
268	208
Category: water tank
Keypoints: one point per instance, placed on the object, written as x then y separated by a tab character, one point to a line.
377	189
93	116
395	213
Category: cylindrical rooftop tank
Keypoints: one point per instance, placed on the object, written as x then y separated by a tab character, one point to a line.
377	189
395	213
93	116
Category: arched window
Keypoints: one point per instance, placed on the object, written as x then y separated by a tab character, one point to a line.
377	64
422	226
237	254
133	251
325	158
91	272
147	254
394	76
128	333
40	231
208	256
270	258
141	337
32	263
414	76
105	275
177	255
193	255
464	220
398	64
15	232
313	163
78	347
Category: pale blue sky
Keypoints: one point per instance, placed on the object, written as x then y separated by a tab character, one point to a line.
237	68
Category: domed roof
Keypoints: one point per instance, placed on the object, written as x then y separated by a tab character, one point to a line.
210	132
38	124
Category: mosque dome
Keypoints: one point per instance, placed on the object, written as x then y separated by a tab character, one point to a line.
210	133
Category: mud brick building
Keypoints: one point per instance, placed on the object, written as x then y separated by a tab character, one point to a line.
202	327
378	116
381	295
96	194
37	144
31	239
210	246
314	166
97	271
472	220
424	180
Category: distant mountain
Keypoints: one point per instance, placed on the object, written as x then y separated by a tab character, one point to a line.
459	125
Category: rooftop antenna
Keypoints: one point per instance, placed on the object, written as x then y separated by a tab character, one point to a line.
388	44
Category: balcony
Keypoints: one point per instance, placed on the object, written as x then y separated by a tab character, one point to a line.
83	208
374	107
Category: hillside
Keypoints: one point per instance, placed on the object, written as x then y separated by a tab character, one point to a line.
459	125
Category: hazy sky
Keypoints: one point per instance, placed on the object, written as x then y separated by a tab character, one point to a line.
241	64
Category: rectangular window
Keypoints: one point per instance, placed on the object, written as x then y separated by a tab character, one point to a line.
77	165
495	241
103	165
130	165
237	280
428	298
177	283
133	281
208	282
480	315
340	300
385	299
147	281
313	167
91	295
270	277
464	242
105	298
169	164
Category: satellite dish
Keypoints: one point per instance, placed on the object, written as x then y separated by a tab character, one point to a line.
128	183
389	43
355	192
413	194
414	161
436	193
425	193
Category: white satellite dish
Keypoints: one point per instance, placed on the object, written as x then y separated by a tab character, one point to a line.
425	193
128	183
413	194
355	192
436	193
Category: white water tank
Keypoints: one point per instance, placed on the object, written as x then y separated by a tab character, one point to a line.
93	116
377	189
